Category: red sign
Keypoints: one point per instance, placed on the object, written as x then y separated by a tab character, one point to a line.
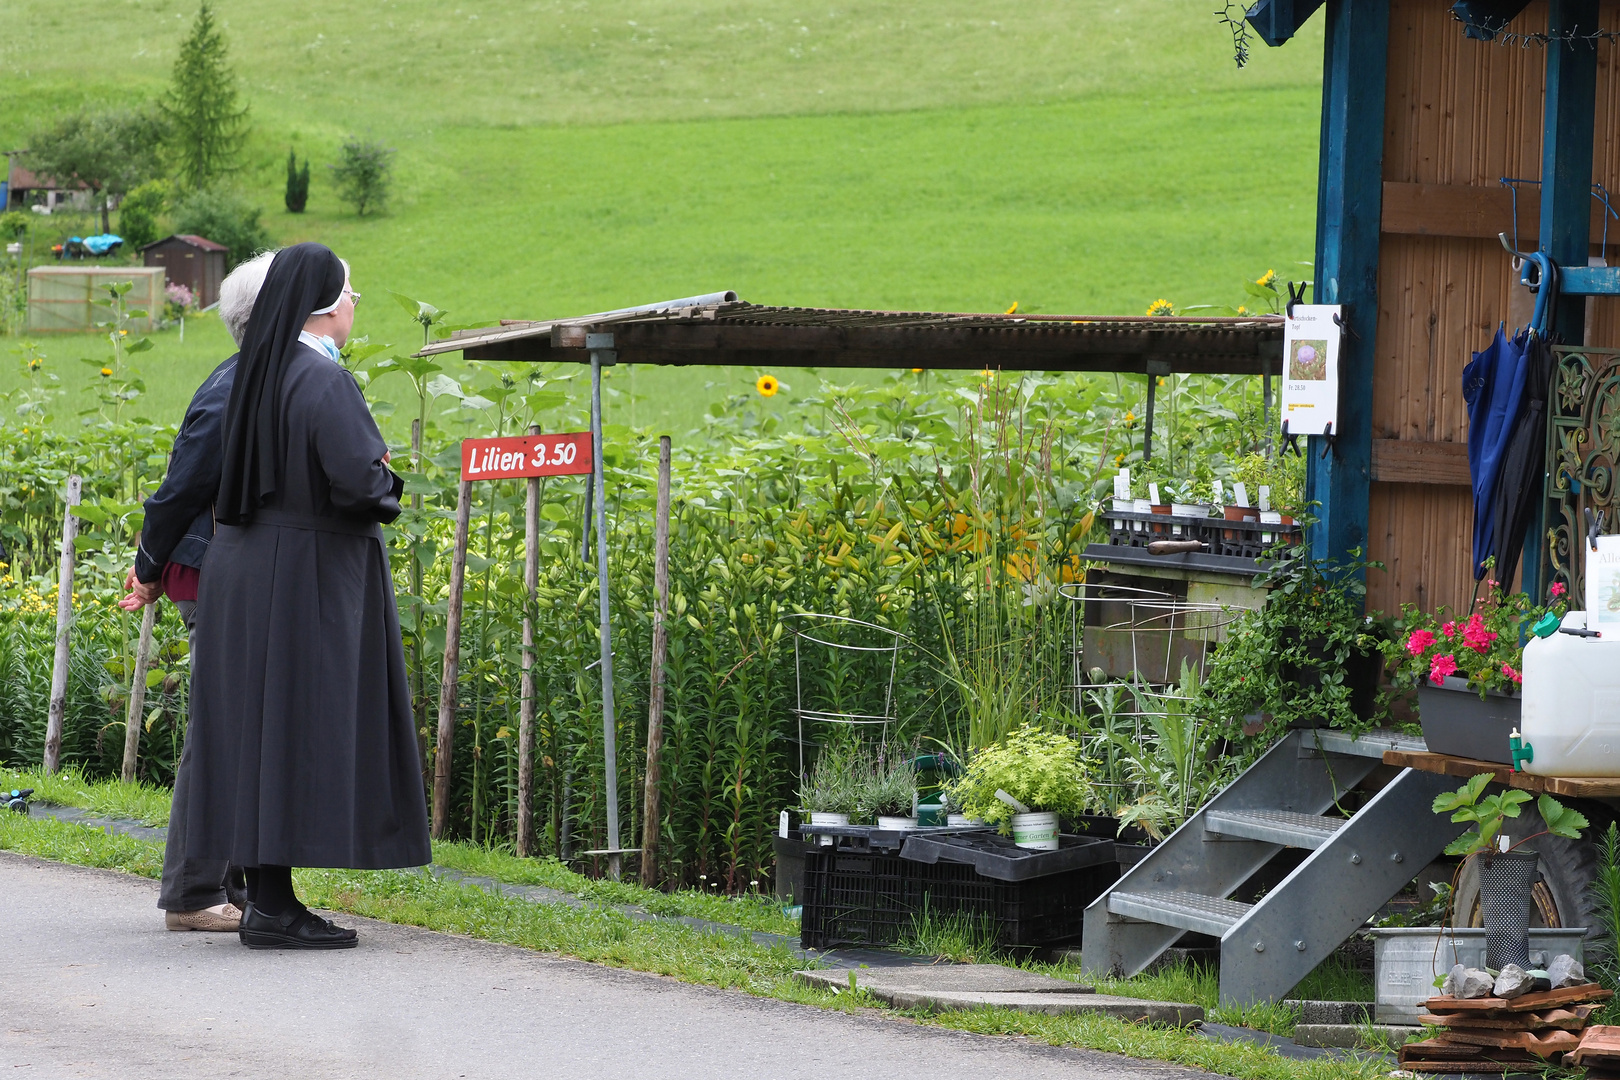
567	454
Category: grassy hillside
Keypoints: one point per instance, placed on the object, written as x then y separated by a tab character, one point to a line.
564	158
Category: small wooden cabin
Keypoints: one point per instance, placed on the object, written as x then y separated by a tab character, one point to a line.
193	261
1435	130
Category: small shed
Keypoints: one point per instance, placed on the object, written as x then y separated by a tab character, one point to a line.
192	261
62	298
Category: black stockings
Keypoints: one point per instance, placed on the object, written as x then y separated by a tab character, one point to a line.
270	889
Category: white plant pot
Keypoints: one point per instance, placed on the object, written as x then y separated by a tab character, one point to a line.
961	820
1037	831
822	817
896	823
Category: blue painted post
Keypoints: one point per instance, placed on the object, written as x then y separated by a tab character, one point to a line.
1566	198
1349	205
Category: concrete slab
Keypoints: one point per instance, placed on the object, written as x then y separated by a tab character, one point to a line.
942	988
951	978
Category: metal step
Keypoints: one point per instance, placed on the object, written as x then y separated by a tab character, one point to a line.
1370	744
1186	911
1308	831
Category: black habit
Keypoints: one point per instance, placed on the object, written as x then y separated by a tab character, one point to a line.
301	725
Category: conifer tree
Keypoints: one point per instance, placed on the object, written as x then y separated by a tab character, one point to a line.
297	195
201	105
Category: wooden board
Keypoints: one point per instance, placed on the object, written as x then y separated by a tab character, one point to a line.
1573	787
1480	211
1583	994
1415	461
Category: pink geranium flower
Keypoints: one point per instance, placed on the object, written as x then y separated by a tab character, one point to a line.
1476	637
1449	629
1441	666
1507	669
1419	641
1557	589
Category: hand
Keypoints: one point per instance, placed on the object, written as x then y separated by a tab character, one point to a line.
387	456
140	592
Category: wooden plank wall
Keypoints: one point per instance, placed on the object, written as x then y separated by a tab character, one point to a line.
1460	114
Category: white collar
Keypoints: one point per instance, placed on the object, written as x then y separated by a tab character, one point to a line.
321	344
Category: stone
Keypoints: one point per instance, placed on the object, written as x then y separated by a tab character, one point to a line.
954	978
1332	1012
1353	1036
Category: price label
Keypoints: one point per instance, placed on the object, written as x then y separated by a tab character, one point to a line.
567	454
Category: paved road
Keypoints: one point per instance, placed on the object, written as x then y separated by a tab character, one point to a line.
95	987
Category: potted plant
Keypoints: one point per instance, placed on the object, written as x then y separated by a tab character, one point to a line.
1467	671
1506	873
1041	772
888	793
1309	656
831	794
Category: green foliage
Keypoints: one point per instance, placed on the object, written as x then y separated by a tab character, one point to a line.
363	174
960	937
225	218
886	787
1041	769
208	128
1603	953
833	786
1290	659
297	193
139	212
1488	813
109	151
14	224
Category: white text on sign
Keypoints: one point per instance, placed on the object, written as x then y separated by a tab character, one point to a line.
526	455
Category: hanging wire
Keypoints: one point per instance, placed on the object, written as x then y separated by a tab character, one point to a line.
1242	36
1497	35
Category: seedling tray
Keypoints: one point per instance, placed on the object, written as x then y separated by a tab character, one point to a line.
996	856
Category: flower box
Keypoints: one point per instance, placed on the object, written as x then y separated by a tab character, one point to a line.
1457	722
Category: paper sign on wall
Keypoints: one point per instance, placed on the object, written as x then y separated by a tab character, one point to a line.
1603	583
1310	393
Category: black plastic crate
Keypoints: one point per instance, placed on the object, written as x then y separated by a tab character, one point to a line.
862	898
997	856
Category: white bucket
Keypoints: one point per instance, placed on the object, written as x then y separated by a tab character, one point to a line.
1038	831
820	817
896	823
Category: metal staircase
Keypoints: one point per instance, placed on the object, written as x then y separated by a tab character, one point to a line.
1355	865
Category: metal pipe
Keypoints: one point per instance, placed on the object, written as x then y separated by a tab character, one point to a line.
610	772
1147	431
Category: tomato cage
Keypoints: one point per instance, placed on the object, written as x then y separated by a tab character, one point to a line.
841	685
1137	658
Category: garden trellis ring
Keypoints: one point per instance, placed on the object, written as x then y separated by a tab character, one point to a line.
835	714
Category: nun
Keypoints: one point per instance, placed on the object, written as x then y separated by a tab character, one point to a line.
305	750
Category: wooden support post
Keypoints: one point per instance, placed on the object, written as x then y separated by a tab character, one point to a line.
531	580
64	623
419	708
601	354
452	664
1349	201
655	684
1566	204
137	693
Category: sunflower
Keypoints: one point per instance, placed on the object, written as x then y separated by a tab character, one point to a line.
1161	307
106	372
767	385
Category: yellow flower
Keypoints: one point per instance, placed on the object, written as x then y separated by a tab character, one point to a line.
916	371
1119	459
123	333
1242	310
1130	417
106	372
1161	307
1267	280
767	385
1012	310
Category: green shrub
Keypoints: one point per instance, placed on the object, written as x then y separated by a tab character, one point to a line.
297	195
138	214
224	218
363	174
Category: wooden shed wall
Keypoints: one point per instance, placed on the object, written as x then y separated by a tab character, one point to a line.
1459	116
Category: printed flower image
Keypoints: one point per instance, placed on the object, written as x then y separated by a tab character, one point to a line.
1308	362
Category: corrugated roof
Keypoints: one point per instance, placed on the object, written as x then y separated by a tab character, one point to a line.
740	333
201	242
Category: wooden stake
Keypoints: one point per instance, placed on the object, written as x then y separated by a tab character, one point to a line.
419	705
64	623
137	692
531	579
655	695
452	664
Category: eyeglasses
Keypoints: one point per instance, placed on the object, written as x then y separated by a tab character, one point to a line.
354	298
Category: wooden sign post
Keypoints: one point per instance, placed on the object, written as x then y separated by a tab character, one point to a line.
515	458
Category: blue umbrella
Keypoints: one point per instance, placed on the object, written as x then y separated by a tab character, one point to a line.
1493	386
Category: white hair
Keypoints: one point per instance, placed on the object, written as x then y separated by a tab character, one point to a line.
239	290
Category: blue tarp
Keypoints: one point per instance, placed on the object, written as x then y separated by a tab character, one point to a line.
100	245
1493	387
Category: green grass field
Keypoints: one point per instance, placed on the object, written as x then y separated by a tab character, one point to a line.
556	159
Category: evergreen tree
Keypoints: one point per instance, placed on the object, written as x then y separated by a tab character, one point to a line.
201	106
297	184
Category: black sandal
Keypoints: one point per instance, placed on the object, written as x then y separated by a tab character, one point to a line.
299	928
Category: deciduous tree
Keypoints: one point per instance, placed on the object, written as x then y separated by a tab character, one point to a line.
109	151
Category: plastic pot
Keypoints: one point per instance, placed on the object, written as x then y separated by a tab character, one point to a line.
884	821
1037	831
1505	880
824	817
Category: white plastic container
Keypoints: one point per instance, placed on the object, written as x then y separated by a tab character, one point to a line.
884	821
1406	961
1571	715
823	817
1038	831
